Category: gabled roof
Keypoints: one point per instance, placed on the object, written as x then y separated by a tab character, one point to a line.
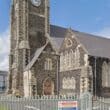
38	53
95	45
57	34
57	31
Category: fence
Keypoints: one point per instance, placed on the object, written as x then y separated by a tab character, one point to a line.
84	102
35	103
101	104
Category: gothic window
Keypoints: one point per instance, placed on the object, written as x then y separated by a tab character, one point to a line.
48	64
64	64
61	61
77	57
105	75
64	83
73	83
48	87
67	60
71	58
69	83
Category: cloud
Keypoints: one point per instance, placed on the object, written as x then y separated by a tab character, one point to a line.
105	32
4	50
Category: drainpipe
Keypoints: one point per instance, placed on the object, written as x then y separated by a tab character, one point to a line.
58	75
95	73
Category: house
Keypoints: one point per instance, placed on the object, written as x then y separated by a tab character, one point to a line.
3	81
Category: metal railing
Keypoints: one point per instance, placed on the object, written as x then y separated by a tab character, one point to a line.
101	104
85	102
33	103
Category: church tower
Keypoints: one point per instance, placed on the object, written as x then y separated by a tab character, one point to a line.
29	26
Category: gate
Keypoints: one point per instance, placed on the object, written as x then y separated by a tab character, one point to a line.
86	101
101	104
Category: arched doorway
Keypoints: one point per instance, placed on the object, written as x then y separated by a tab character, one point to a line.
48	87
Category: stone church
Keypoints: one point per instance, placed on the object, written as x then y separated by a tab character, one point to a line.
50	60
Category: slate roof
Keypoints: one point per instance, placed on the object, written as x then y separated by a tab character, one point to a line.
95	45
57	31
57	34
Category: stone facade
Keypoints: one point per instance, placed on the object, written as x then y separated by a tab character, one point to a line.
51	60
73	63
29	23
42	70
99	88
41	73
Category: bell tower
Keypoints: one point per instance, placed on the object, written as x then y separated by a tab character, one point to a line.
38	23
29	26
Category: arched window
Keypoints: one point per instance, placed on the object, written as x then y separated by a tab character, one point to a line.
68	83
64	83
77	56
48	87
48	64
71	58
64	64
73	83
105	75
67	60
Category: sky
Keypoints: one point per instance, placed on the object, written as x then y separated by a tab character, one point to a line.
90	16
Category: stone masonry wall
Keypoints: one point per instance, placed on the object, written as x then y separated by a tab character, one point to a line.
41	74
96	64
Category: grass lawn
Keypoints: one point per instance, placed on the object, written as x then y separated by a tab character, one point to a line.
3	108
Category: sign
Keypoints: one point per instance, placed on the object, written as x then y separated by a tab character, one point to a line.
67	105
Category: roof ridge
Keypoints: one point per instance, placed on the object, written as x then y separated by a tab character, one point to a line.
59	26
93	35
90	34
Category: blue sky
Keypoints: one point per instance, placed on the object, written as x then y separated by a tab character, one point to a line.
83	15
91	16
4	14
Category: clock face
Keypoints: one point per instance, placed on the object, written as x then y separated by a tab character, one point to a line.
36	2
